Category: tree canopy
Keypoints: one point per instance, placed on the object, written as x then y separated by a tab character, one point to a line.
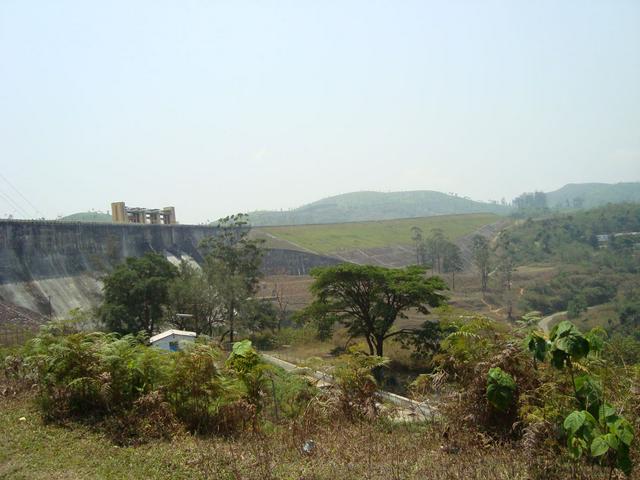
232	267
369	299
135	293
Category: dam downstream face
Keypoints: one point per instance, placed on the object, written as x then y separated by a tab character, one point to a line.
62	262
58	265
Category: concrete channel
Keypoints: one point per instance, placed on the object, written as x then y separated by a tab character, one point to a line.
409	410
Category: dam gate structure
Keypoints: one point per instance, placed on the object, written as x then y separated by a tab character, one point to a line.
120	213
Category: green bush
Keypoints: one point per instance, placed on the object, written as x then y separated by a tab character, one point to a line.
91	373
595	429
501	389
354	375
200	394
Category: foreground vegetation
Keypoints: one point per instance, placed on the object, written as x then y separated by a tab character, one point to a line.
31	449
509	407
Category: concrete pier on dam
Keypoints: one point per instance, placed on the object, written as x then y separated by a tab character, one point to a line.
57	266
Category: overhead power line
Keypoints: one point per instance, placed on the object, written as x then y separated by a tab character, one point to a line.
14	206
35	209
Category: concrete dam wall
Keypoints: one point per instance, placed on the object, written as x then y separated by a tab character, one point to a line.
56	266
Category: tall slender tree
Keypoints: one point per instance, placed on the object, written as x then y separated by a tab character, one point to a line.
232	266
452	261
506	264
418	240
482	258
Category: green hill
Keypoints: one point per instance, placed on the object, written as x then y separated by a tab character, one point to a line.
98	217
372	206
332	238
590	195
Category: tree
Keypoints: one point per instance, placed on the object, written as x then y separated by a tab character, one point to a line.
576	306
193	303
282	304
531	202
418	240
258	314
368	299
434	246
506	265
135	293
481	257
452	261
506	259
232	266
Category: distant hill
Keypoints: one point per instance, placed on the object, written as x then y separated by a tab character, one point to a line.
98	217
590	195
371	206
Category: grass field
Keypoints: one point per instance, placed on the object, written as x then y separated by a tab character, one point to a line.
338	237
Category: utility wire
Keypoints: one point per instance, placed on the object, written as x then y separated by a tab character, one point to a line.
38	212
14	205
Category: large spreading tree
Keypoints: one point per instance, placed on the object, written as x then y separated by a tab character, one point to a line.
135	294
368	300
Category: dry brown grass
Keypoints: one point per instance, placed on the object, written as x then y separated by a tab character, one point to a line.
376	450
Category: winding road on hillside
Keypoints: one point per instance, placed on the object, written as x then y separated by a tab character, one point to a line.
546	321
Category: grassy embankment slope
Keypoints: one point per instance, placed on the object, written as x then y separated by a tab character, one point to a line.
332	238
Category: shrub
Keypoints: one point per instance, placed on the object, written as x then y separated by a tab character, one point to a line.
137	390
595	429
501	389
200	395
357	385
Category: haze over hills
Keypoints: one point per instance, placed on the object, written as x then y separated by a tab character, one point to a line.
371	206
365	206
594	194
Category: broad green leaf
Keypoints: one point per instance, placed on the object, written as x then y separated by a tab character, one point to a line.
574	421
612	441
575	345
623	430
500	388
558	358
605	411
242	348
589	390
599	446
537	345
561	329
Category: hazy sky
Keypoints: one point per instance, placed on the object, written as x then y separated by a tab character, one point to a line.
224	106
